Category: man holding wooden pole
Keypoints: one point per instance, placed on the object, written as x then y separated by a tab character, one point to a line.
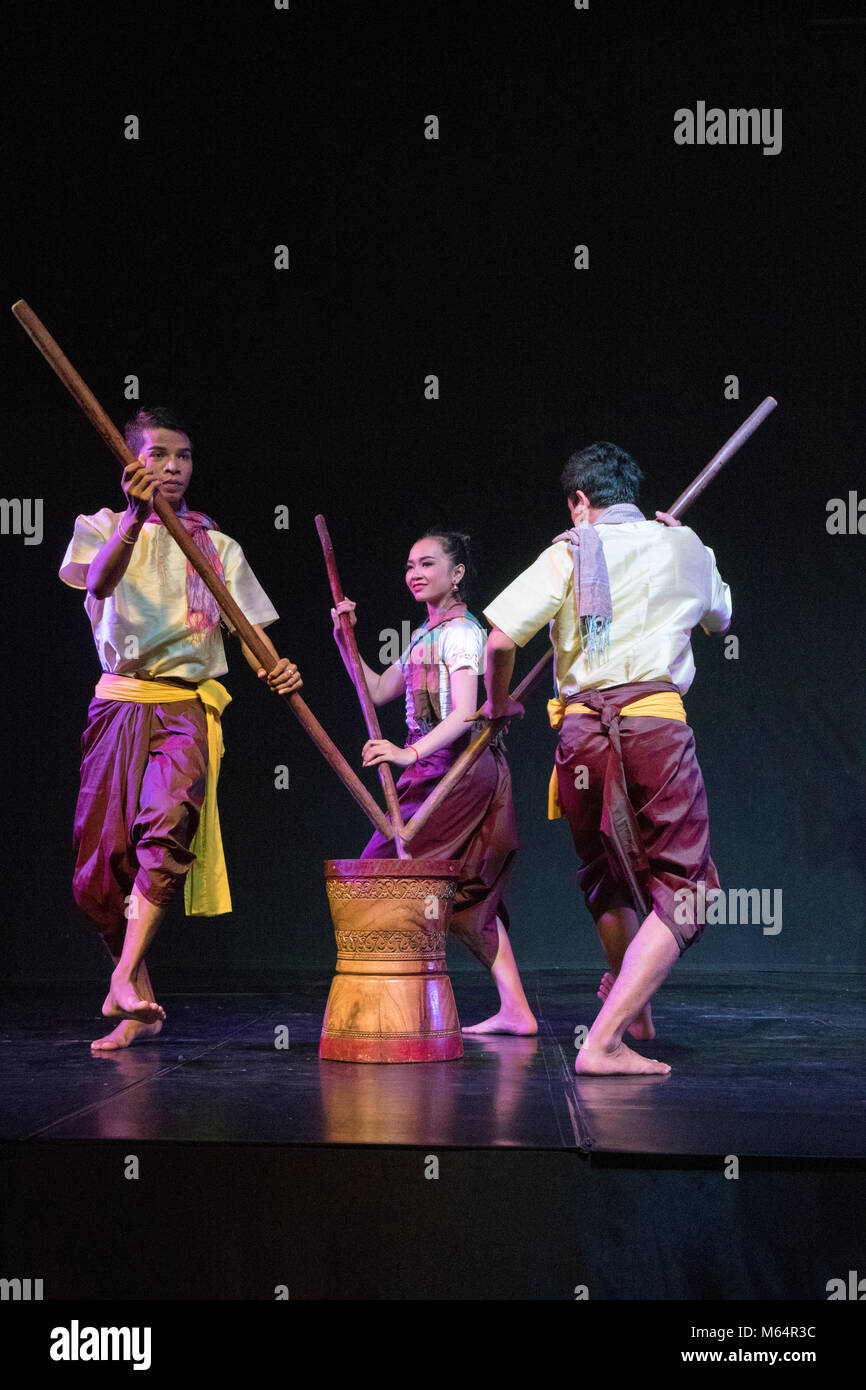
622	595
146	825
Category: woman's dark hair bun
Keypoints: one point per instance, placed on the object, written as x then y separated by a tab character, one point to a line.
456	546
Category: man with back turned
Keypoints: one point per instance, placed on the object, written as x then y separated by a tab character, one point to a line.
622	595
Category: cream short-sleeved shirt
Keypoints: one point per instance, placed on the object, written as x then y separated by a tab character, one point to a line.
142	624
663	582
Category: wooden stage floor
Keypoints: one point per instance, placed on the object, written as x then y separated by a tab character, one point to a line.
234	1167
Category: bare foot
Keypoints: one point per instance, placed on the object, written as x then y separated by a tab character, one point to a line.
124	1001
605	985
641	1026
594	1060
127	1031
521	1023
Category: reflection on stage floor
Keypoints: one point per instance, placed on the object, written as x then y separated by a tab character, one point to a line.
767	1064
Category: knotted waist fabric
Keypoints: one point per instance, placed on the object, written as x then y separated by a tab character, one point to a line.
635	801
665	703
147	814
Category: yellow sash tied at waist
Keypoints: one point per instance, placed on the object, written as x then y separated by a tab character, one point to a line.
662	704
206	889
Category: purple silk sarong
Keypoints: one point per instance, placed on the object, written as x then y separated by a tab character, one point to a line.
143	773
474	824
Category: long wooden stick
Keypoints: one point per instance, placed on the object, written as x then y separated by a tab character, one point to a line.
727	451
530	681
371	719
85	398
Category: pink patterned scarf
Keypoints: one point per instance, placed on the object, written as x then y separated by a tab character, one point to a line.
202	609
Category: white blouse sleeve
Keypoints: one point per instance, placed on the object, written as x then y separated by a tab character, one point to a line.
462	646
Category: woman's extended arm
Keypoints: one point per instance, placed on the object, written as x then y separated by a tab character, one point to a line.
383	686
464	693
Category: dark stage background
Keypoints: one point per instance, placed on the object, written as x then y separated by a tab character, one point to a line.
305	387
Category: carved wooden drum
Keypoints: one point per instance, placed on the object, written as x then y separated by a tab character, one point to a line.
391	999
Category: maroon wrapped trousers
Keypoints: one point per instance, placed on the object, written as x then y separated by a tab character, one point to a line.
644	801
474	824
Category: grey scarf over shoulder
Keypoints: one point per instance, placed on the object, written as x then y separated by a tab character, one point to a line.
591	581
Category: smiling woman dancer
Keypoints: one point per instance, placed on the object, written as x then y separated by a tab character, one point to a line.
438	672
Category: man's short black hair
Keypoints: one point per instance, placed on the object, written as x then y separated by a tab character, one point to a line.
606	473
156	417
